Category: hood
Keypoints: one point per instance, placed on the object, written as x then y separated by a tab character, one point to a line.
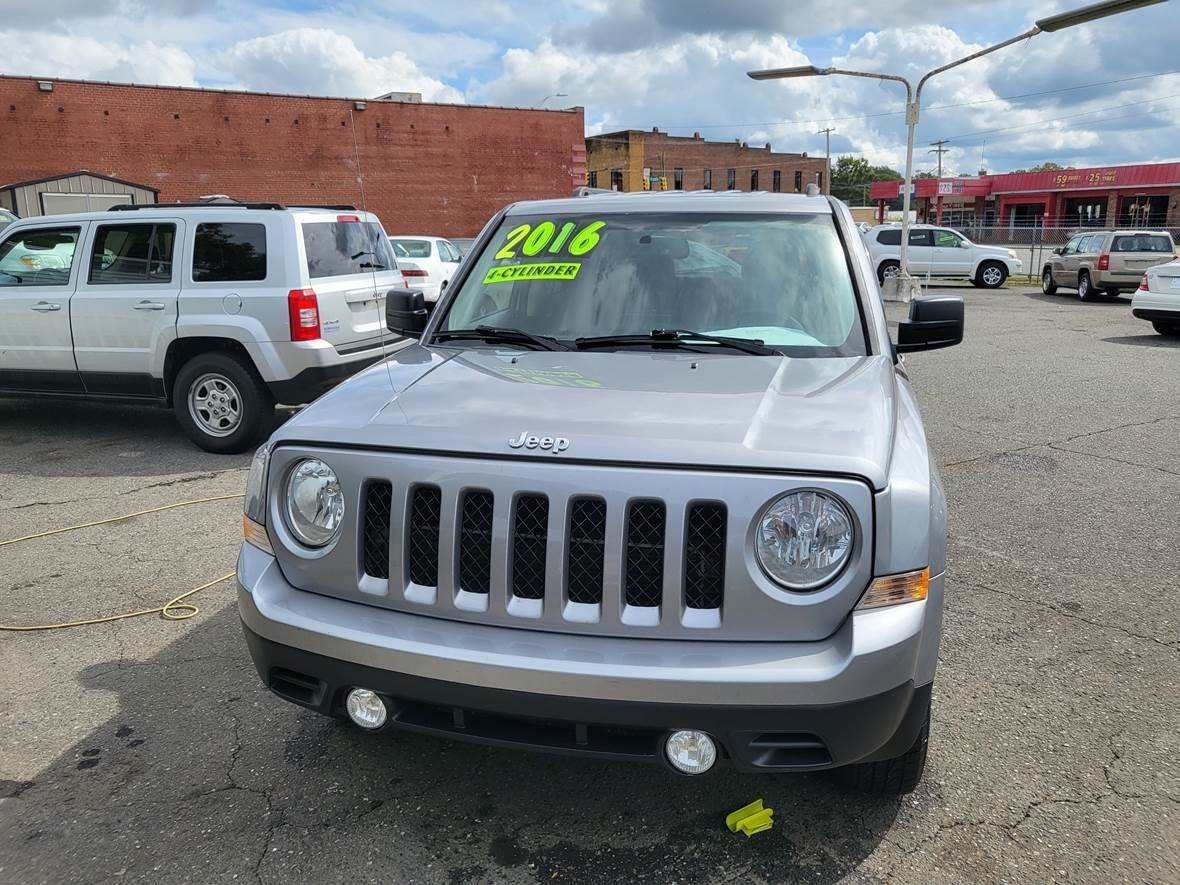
736	411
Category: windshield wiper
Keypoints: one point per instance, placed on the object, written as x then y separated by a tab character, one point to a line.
676	337
372	265
500	333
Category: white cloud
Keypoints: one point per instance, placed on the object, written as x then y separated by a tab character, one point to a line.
59	55
696	77
320	61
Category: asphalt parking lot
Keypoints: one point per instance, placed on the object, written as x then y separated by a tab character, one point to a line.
148	751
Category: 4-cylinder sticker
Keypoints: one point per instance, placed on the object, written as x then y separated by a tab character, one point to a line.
545	270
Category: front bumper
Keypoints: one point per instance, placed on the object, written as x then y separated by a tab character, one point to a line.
859	695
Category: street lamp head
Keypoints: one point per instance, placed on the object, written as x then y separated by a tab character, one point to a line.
1090	13
788	73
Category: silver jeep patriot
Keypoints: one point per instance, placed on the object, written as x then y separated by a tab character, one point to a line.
652	484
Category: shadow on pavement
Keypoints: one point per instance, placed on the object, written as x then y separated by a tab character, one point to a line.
204	776
1069	297
1146	341
55	438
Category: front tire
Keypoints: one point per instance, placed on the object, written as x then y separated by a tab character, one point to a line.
221	403
888	269
889	777
1086	291
1167	327
1047	285
991	275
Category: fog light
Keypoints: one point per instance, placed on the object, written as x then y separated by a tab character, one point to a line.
365	708
692	752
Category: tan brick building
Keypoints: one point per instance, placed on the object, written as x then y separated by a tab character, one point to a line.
635	160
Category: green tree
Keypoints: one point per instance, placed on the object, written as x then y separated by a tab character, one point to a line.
1047	166
851	177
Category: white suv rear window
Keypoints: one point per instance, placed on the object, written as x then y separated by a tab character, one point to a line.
340	248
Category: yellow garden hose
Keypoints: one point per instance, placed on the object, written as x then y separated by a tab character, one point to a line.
175	609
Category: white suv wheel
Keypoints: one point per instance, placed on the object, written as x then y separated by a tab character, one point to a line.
215	404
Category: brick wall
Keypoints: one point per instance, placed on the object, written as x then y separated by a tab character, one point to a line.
427	168
664	153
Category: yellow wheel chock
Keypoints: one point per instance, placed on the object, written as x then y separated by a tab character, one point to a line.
751	819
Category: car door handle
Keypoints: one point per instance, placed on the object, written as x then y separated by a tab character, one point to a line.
149	305
44	306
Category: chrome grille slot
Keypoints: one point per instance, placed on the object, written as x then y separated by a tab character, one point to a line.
530	537
475	542
587	548
704	555
422	535
643	572
375	539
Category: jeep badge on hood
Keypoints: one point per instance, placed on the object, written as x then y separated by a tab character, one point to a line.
554	444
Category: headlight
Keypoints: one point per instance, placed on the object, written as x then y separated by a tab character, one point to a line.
315	504
804	539
255	504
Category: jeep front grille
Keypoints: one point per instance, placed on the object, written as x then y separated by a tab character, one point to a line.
584	546
559	546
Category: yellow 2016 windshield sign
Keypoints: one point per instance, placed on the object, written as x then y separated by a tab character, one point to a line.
546	237
544	270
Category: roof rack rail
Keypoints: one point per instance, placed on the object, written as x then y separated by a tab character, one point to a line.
216	204
205	204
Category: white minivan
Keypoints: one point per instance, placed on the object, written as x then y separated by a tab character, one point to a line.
940	252
216	309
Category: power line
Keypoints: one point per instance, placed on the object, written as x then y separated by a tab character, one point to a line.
965	135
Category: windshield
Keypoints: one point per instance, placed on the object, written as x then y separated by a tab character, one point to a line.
780	279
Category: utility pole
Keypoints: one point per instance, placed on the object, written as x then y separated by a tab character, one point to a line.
940	150
827	134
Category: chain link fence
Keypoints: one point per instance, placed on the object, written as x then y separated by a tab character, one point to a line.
1034	243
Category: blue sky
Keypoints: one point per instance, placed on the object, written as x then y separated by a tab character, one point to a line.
676	64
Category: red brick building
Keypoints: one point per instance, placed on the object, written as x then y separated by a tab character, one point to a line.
427	168
1143	196
636	160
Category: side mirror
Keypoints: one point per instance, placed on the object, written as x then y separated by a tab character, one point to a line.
405	312
1060	250
934	322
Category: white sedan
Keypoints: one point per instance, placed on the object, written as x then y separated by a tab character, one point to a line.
427	263
1158	298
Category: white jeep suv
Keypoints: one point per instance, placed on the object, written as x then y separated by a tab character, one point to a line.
940	252
218	310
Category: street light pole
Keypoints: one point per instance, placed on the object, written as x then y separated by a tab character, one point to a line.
913	101
541	103
827	134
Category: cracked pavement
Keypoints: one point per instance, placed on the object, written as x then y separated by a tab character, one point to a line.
148	751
